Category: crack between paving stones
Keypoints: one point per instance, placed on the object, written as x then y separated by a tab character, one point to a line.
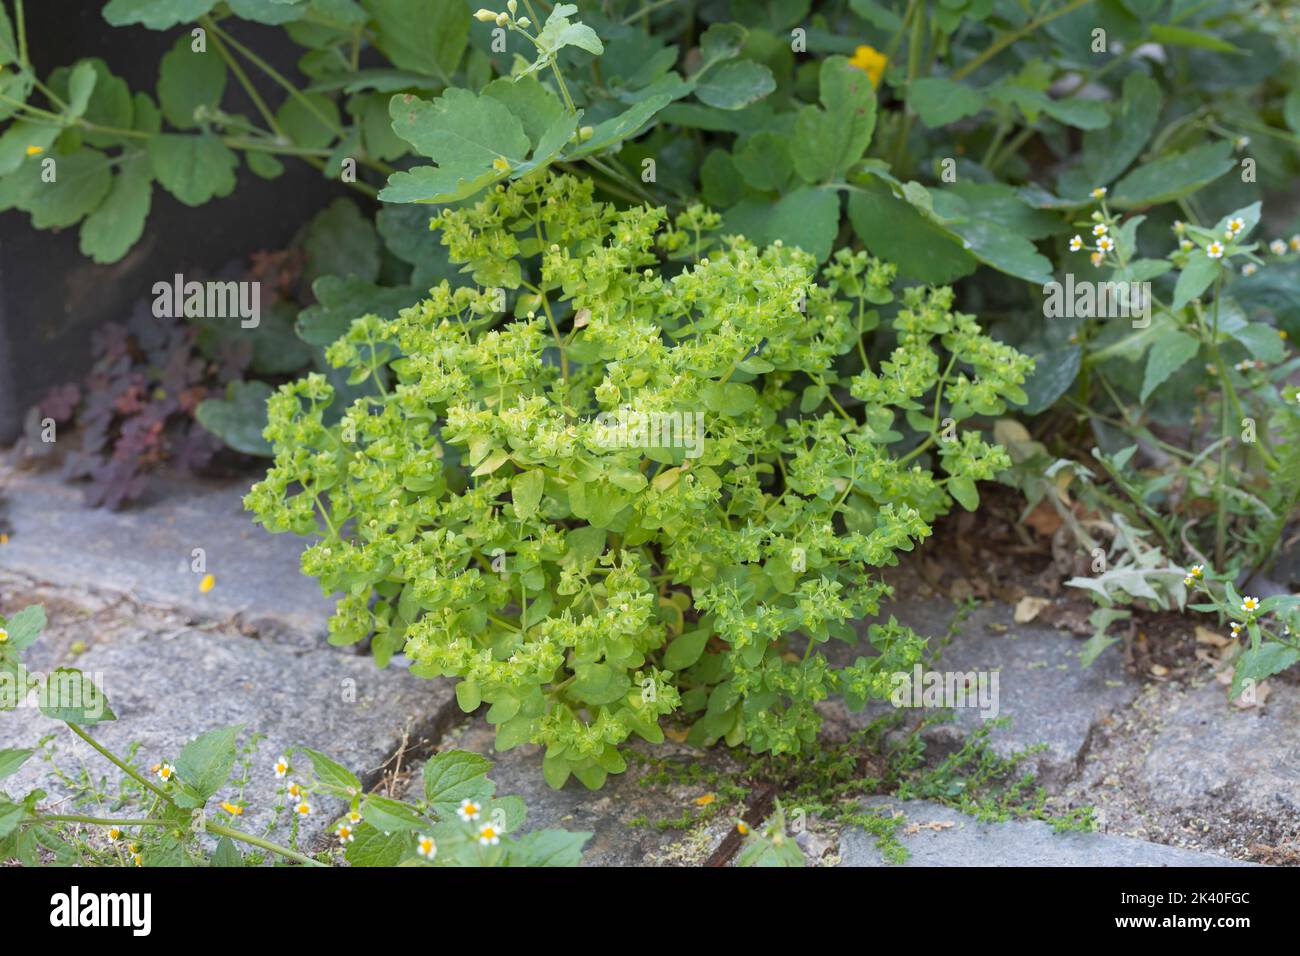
758	810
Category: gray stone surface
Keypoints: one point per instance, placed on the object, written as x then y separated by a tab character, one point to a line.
622	815
1049	698
935	835
145	551
168	687
1211	761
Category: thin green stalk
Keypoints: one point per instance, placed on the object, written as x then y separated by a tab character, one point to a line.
118	762
278	77
1005	41
242	77
257	841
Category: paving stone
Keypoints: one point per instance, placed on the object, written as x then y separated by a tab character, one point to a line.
146	551
167	688
1049	698
1227	768
936	835
621	816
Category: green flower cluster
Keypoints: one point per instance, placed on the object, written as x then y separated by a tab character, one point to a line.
653	486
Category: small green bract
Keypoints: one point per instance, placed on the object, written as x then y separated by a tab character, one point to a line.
654	487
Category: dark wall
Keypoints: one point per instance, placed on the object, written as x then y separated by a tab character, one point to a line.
52	297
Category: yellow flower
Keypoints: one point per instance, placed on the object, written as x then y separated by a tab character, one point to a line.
501	164
1097	258
1098	192
35	150
233	810
114	833
4	635
742	828
705	800
295	790
871	62
207	583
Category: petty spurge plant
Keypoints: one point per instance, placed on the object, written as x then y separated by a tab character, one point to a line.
637	470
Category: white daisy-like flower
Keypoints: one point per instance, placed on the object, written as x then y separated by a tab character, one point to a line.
1214	250
488	835
1097	258
426	847
1294	243
1076	243
295	790
1100	229
166	771
354	818
1245	365
1105	244
114	833
1235	226
1277	247
281	768
468	810
1249	605
344	833
1241	142
303	808
1249	269
1098	192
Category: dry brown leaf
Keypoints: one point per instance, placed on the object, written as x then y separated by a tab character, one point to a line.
1029	608
918	827
1159	670
1249	701
1044	519
1206	636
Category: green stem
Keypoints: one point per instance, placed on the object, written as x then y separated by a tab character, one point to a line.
1005	41
257	841
279	78
118	762
242	76
96	821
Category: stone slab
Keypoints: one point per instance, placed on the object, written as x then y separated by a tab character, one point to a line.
944	837
1049	698
146	551
621	816
168	687
1217	766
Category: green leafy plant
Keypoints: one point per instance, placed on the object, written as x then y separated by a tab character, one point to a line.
501	513
1271	645
173	815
